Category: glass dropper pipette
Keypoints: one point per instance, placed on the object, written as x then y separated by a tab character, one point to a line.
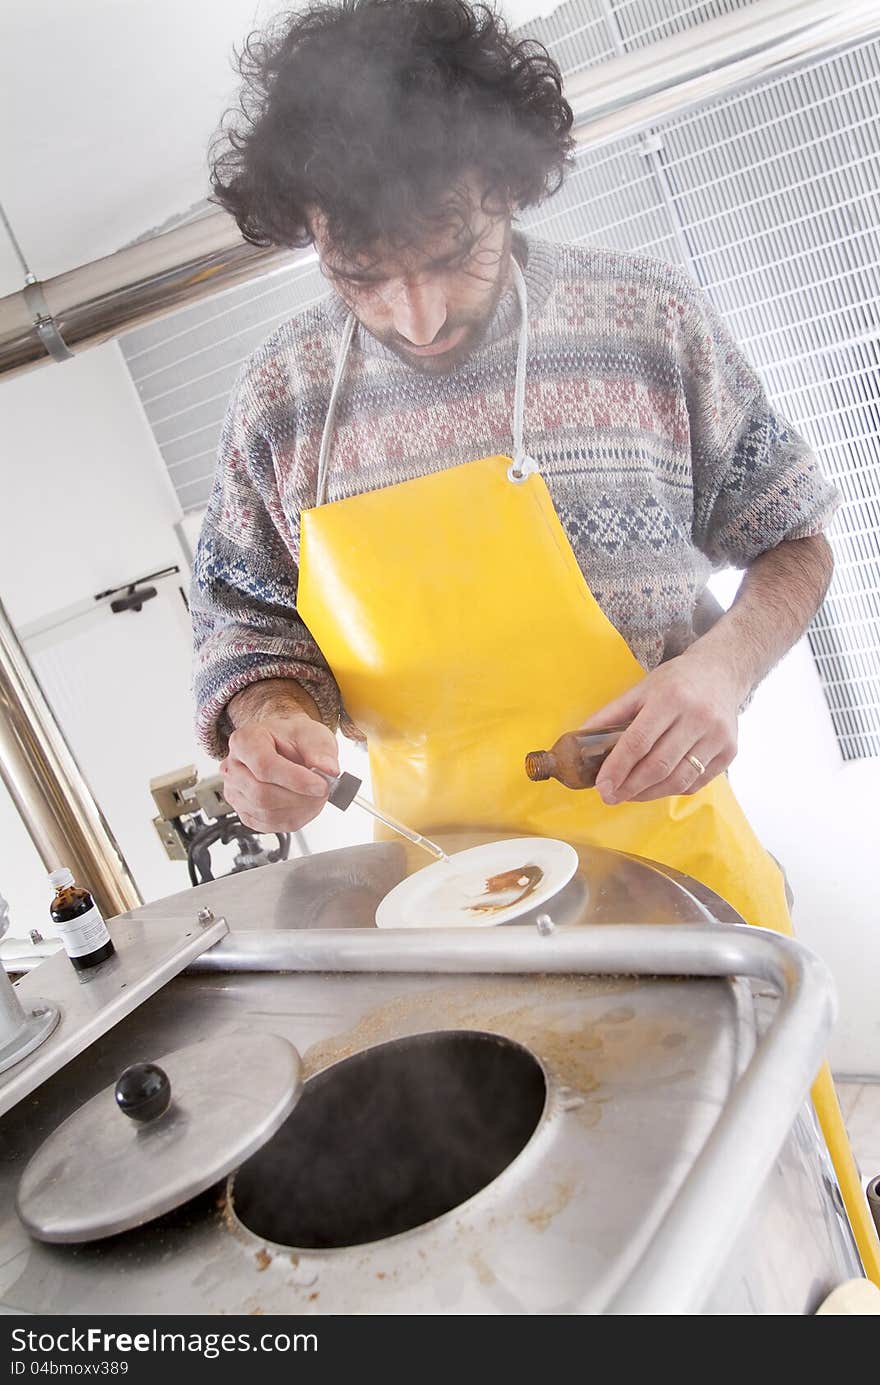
344	791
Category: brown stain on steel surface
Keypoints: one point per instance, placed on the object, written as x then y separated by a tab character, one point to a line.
543	1013
263	1259
229	1219
546	1014
485	1273
556	1200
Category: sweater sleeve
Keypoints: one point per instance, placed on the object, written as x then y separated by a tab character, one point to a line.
243	596
756	480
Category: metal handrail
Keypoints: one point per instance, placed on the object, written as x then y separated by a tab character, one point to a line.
693	1241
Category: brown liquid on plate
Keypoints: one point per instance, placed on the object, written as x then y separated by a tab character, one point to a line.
529	877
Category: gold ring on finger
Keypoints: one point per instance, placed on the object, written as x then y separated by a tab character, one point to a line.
697	764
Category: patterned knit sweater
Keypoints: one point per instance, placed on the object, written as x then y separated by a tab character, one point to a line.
661	452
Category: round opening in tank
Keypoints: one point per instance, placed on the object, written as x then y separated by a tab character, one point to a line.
391	1139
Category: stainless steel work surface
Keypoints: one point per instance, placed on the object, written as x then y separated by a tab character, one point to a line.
637	1073
147	956
342	889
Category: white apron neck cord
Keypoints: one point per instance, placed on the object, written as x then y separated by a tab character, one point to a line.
522	466
327	435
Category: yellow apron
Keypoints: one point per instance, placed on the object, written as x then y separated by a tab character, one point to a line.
462	634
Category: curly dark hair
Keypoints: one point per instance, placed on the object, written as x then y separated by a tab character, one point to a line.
372	110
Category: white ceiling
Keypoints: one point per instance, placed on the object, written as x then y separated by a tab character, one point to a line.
106	108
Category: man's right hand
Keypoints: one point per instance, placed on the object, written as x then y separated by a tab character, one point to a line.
266	776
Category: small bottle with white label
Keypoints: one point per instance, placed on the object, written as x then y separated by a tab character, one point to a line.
80	925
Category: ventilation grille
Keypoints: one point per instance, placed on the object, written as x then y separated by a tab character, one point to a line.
585	32
767	197
776	194
184	367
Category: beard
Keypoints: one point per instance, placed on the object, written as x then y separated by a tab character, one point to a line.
475	324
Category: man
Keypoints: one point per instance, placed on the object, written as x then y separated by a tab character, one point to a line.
401	137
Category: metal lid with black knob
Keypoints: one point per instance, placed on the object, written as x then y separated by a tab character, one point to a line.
161	1134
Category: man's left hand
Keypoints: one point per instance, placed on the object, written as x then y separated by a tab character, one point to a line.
686	707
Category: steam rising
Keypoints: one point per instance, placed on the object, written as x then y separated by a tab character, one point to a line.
392	1138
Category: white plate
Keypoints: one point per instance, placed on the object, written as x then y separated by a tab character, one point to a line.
453	894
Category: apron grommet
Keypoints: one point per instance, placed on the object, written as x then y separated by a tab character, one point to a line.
521	469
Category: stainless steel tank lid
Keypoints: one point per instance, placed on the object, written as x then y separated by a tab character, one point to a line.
106	1170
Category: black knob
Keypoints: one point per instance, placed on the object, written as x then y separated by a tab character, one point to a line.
143	1091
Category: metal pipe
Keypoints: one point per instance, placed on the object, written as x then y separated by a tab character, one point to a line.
44	781
651	84
688	1249
99	300
146	281
658	949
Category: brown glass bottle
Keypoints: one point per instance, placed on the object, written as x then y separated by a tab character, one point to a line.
576	758
80	924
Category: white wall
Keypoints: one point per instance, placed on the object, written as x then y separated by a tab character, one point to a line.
86	501
87	505
819	817
192	526
128	95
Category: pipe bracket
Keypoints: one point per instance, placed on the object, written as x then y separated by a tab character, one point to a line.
45	325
